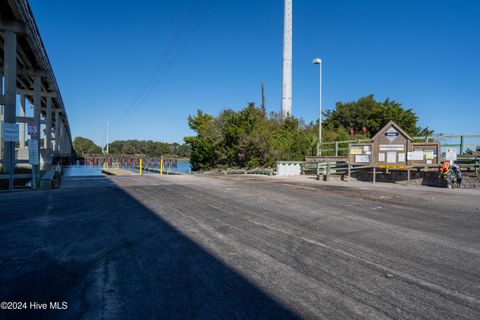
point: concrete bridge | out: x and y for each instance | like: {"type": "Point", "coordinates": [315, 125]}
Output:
{"type": "Point", "coordinates": [27, 78]}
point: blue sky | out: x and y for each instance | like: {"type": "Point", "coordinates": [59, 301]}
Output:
{"type": "Point", "coordinates": [146, 65]}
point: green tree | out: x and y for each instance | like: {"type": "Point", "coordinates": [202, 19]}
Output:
{"type": "Point", "coordinates": [203, 145]}
{"type": "Point", "coordinates": [247, 138]}
{"type": "Point", "coordinates": [373, 115]}
{"type": "Point", "coordinates": [84, 146]}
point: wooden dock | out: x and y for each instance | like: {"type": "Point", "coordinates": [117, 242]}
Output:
{"type": "Point", "coordinates": [118, 172]}
{"type": "Point", "coordinates": [165, 172]}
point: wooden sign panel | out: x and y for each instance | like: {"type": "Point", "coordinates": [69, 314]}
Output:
{"type": "Point", "coordinates": [391, 145]}
{"type": "Point", "coordinates": [425, 154]}
{"type": "Point", "coordinates": [360, 154]}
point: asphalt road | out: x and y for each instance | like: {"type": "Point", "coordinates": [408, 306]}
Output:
{"type": "Point", "coordinates": [192, 247]}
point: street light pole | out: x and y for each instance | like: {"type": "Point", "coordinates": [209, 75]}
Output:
{"type": "Point", "coordinates": [319, 148]}
{"type": "Point", "coordinates": [108, 128]}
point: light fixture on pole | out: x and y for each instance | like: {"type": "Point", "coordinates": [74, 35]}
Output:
{"type": "Point", "coordinates": [319, 150]}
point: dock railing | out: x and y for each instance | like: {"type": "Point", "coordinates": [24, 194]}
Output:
{"type": "Point", "coordinates": [345, 169]}
{"type": "Point", "coordinates": [463, 143]}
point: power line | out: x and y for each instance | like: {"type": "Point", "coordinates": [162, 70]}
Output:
{"type": "Point", "coordinates": [165, 58]}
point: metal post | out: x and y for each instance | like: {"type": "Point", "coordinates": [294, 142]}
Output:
{"type": "Point", "coordinates": [336, 148]}
{"type": "Point", "coordinates": [461, 144]}
{"type": "Point", "coordinates": [408, 175]}
{"type": "Point", "coordinates": [10, 70]}
{"type": "Point", "coordinates": [349, 171]}
{"type": "Point", "coordinates": [287, 60]}
{"type": "Point", "coordinates": [108, 128]}
{"type": "Point", "coordinates": [319, 146]}
{"type": "Point", "coordinates": [22, 124]}
{"type": "Point", "coordinates": [320, 114]}
{"type": "Point", "coordinates": [374, 175]}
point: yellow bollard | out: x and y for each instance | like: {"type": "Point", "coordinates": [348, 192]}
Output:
{"type": "Point", "coordinates": [161, 166]}
{"type": "Point", "coordinates": [141, 167]}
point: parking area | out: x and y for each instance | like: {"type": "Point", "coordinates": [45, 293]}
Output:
{"type": "Point", "coordinates": [229, 247]}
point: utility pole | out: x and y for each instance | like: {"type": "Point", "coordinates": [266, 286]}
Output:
{"type": "Point", "coordinates": [108, 127]}
{"type": "Point", "coordinates": [287, 60]}
{"type": "Point", "coordinates": [319, 145]}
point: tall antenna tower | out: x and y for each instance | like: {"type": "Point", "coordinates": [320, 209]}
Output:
{"type": "Point", "coordinates": [287, 61]}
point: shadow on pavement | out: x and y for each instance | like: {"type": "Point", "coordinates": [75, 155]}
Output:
{"type": "Point", "coordinates": [109, 257]}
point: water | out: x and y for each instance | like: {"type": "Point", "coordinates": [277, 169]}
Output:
{"type": "Point", "coordinates": [91, 171]}
{"type": "Point", "coordinates": [82, 171]}
{"type": "Point", "coordinates": [182, 167]}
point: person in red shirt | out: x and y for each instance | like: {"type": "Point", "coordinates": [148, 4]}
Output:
{"type": "Point", "coordinates": [447, 174]}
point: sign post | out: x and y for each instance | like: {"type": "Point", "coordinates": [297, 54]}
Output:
{"type": "Point", "coordinates": [10, 132]}
{"type": "Point", "coordinates": [33, 151]}
{"type": "Point", "coordinates": [32, 129]}
{"type": "Point", "coordinates": [10, 135]}
{"type": "Point", "coordinates": [451, 155]}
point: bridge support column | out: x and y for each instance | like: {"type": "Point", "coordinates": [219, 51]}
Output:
{"type": "Point", "coordinates": [67, 147]}
{"type": "Point", "coordinates": [62, 140]}
{"type": "Point", "coordinates": [10, 98]}
{"type": "Point", "coordinates": [37, 101]}
{"type": "Point", "coordinates": [56, 148]}
{"type": "Point", "coordinates": [1, 117]}
{"type": "Point", "coordinates": [22, 124]}
{"type": "Point", "coordinates": [48, 135]}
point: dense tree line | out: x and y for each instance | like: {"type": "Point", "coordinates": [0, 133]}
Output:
{"type": "Point", "coordinates": [149, 148]}
{"type": "Point", "coordinates": [84, 147]}
{"type": "Point", "coordinates": [250, 138]}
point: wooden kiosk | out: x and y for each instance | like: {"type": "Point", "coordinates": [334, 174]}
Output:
{"type": "Point", "coordinates": [393, 148]}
